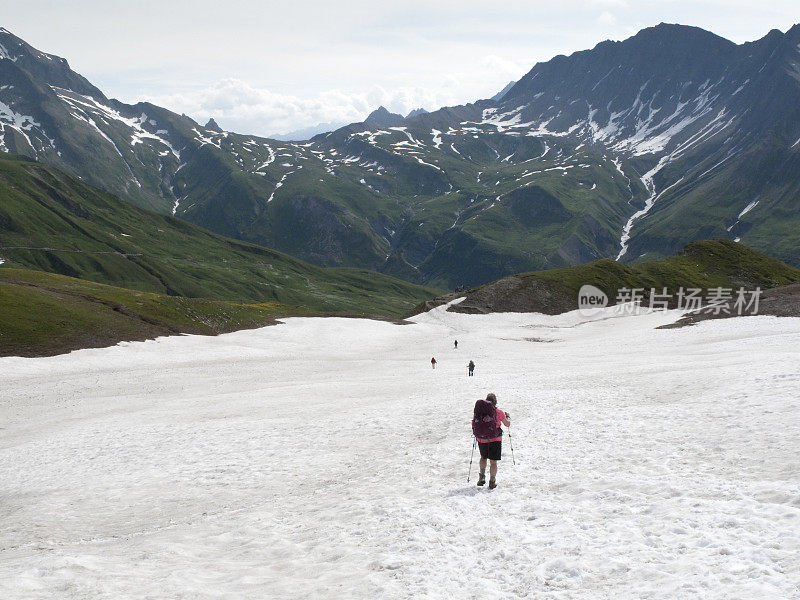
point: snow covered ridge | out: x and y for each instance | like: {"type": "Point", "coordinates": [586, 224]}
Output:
{"type": "Point", "coordinates": [83, 106]}
{"type": "Point", "coordinates": [659, 467]}
{"type": "Point", "coordinates": [639, 129]}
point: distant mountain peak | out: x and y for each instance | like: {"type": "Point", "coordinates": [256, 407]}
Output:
{"type": "Point", "coordinates": [415, 112]}
{"type": "Point", "coordinates": [499, 95]}
{"type": "Point", "coordinates": [212, 125]}
{"type": "Point", "coordinates": [381, 110]}
{"type": "Point", "coordinates": [675, 33]}
{"type": "Point", "coordinates": [306, 133]}
{"type": "Point", "coordinates": [381, 116]}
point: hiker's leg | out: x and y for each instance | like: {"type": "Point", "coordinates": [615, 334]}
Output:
{"type": "Point", "coordinates": [492, 469]}
{"type": "Point", "coordinates": [483, 465]}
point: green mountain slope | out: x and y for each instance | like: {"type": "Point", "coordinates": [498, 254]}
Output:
{"type": "Point", "coordinates": [702, 265]}
{"type": "Point", "coordinates": [42, 314]}
{"type": "Point", "coordinates": [52, 222]}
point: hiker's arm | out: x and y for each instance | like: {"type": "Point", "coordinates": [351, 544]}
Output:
{"type": "Point", "coordinates": [506, 421]}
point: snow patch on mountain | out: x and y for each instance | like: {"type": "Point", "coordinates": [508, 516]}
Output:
{"type": "Point", "coordinates": [741, 87]}
{"type": "Point", "coordinates": [82, 106]}
{"type": "Point", "coordinates": [640, 129]}
{"type": "Point", "coordinates": [647, 180]}
{"type": "Point", "coordinates": [207, 139]}
{"type": "Point", "coordinates": [270, 158]}
{"type": "Point", "coordinates": [280, 183]}
{"type": "Point", "coordinates": [618, 166]}
{"type": "Point", "coordinates": [437, 137]}
{"type": "Point", "coordinates": [731, 153]}
{"type": "Point", "coordinates": [422, 162]}
{"type": "Point", "coordinates": [6, 55]}
{"type": "Point", "coordinates": [744, 211]}
{"type": "Point", "coordinates": [748, 208]}
{"type": "Point", "coordinates": [23, 124]}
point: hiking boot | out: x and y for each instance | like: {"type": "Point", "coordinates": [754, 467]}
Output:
{"type": "Point", "coordinates": [492, 484]}
{"type": "Point", "coordinates": [482, 479]}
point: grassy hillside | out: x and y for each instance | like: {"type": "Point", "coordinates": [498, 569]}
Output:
{"type": "Point", "coordinates": [44, 314]}
{"type": "Point", "coordinates": [52, 222]}
{"type": "Point", "coordinates": [704, 265]}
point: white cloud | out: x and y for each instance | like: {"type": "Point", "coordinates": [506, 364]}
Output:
{"type": "Point", "coordinates": [238, 106]}
{"type": "Point", "coordinates": [509, 68]}
{"type": "Point", "coordinates": [607, 3]}
{"type": "Point", "coordinates": [607, 19]}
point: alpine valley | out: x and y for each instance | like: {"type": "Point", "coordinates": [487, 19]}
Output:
{"type": "Point", "coordinates": [629, 150]}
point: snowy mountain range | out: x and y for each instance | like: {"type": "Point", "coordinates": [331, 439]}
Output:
{"type": "Point", "coordinates": [629, 150]}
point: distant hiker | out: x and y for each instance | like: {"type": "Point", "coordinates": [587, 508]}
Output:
{"type": "Point", "coordinates": [486, 421]}
{"type": "Point", "coordinates": [471, 368]}
{"type": "Point", "coordinates": [455, 345]}
{"type": "Point", "coordinates": [433, 363]}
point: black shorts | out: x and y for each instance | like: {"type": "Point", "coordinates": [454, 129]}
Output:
{"type": "Point", "coordinates": [491, 450]}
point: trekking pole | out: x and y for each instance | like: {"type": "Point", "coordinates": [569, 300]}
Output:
{"type": "Point", "coordinates": [513, 460]}
{"type": "Point", "coordinates": [470, 460]}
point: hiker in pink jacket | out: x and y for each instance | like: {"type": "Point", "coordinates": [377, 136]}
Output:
{"type": "Point", "coordinates": [486, 421]}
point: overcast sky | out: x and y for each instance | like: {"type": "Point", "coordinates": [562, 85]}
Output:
{"type": "Point", "coordinates": [265, 66]}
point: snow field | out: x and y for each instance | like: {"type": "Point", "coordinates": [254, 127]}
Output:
{"type": "Point", "coordinates": [324, 458]}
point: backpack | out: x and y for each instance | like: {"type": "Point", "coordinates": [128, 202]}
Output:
{"type": "Point", "coordinates": [484, 421]}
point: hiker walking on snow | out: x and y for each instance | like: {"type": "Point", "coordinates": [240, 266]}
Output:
{"type": "Point", "coordinates": [455, 345]}
{"type": "Point", "coordinates": [470, 368]}
{"type": "Point", "coordinates": [486, 421]}
{"type": "Point", "coordinates": [433, 363]}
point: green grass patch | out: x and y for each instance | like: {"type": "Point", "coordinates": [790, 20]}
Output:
{"type": "Point", "coordinates": [45, 314]}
